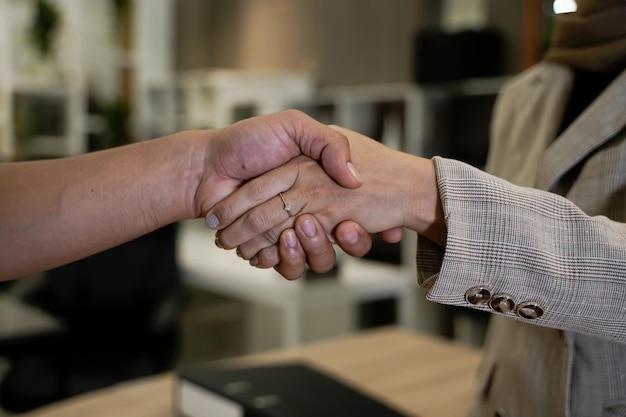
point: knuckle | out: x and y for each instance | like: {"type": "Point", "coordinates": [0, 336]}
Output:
{"type": "Point", "coordinates": [259, 190]}
{"type": "Point", "coordinates": [271, 236]}
{"type": "Point", "coordinates": [225, 212]}
{"type": "Point", "coordinates": [256, 222]}
{"type": "Point", "coordinates": [294, 113]}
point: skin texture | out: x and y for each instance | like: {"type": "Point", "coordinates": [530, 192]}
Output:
{"type": "Point", "coordinates": [56, 211]}
{"type": "Point", "coordinates": [399, 190]}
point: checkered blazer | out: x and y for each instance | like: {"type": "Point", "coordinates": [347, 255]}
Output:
{"type": "Point", "coordinates": [551, 265]}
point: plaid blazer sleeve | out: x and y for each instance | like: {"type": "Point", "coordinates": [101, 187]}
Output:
{"type": "Point", "coordinates": [526, 248]}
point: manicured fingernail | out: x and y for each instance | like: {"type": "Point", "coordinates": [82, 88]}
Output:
{"type": "Point", "coordinates": [218, 243]}
{"type": "Point", "coordinates": [239, 253]}
{"type": "Point", "coordinates": [353, 170]}
{"type": "Point", "coordinates": [350, 235]}
{"type": "Point", "coordinates": [290, 239]}
{"type": "Point", "coordinates": [308, 227]}
{"type": "Point", "coordinates": [254, 261]}
{"type": "Point", "coordinates": [212, 222]}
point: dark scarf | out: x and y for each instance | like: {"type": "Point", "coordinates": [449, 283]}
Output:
{"type": "Point", "coordinates": [591, 39]}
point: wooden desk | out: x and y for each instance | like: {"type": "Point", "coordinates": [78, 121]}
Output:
{"type": "Point", "coordinates": [417, 374]}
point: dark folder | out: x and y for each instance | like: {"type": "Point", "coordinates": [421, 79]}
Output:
{"type": "Point", "coordinates": [286, 390]}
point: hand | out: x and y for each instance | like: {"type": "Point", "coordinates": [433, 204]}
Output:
{"type": "Point", "coordinates": [398, 190]}
{"type": "Point", "coordinates": [253, 146]}
{"type": "Point", "coordinates": [307, 243]}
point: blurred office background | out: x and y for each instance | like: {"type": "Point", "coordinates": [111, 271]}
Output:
{"type": "Point", "coordinates": [78, 76]}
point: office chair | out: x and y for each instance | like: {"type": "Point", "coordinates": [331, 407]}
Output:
{"type": "Point", "coordinates": [120, 309]}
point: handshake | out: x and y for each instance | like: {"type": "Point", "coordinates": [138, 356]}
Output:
{"type": "Point", "coordinates": [279, 188]}
{"type": "Point", "coordinates": [285, 188]}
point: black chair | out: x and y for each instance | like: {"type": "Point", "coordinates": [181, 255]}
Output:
{"type": "Point", "coordinates": [120, 310]}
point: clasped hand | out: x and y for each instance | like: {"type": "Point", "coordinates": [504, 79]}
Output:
{"type": "Point", "coordinates": [398, 190]}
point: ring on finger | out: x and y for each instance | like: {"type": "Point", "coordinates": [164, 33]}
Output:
{"type": "Point", "coordinates": [286, 205]}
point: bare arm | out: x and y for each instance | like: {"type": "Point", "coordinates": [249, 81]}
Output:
{"type": "Point", "coordinates": [53, 212]}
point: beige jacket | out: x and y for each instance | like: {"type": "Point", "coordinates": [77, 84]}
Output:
{"type": "Point", "coordinates": [551, 269]}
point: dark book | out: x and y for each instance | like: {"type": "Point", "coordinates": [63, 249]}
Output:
{"type": "Point", "coordinates": [285, 390]}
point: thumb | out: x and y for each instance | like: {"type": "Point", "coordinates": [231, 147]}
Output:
{"type": "Point", "coordinates": [325, 144]}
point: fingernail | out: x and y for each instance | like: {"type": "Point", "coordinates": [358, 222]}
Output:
{"type": "Point", "coordinates": [290, 239]}
{"type": "Point", "coordinates": [350, 235]}
{"type": "Point", "coordinates": [218, 243]}
{"type": "Point", "coordinates": [212, 222]}
{"type": "Point", "coordinates": [254, 261]}
{"type": "Point", "coordinates": [308, 228]}
{"type": "Point", "coordinates": [352, 169]}
{"type": "Point", "coordinates": [239, 253]}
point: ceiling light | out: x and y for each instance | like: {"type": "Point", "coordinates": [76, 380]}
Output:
{"type": "Point", "coordinates": [564, 6]}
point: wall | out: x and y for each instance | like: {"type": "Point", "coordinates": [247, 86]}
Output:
{"type": "Point", "coordinates": [508, 16]}
{"type": "Point", "coordinates": [342, 42]}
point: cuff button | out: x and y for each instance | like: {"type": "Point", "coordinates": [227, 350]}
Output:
{"type": "Point", "coordinates": [530, 311]}
{"type": "Point", "coordinates": [478, 295]}
{"type": "Point", "coordinates": [502, 304]}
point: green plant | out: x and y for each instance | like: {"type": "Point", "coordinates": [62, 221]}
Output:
{"type": "Point", "coordinates": [44, 27]}
{"type": "Point", "coordinates": [121, 16]}
{"type": "Point", "coordinates": [120, 9]}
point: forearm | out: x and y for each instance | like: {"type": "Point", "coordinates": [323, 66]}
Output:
{"type": "Point", "coordinates": [65, 209]}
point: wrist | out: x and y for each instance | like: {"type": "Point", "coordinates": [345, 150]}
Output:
{"type": "Point", "coordinates": [424, 212]}
{"type": "Point", "coordinates": [185, 161]}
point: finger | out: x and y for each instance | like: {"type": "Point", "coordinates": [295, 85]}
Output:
{"type": "Point", "coordinates": [266, 258]}
{"type": "Point", "coordinates": [260, 227]}
{"type": "Point", "coordinates": [352, 238]}
{"type": "Point", "coordinates": [320, 254]}
{"type": "Point", "coordinates": [252, 194]}
{"type": "Point", "coordinates": [325, 144]}
{"type": "Point", "coordinates": [292, 257]}
{"type": "Point", "coordinates": [311, 234]}
{"type": "Point", "coordinates": [391, 235]}
{"type": "Point", "coordinates": [261, 241]}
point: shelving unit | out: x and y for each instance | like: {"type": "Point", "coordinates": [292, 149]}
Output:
{"type": "Point", "coordinates": [213, 98]}
{"type": "Point", "coordinates": [154, 102]}
{"type": "Point", "coordinates": [42, 99]}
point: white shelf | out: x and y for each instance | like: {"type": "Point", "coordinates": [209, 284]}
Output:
{"type": "Point", "coordinates": [210, 98]}
{"type": "Point", "coordinates": [23, 72]}
{"type": "Point", "coordinates": [207, 267]}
